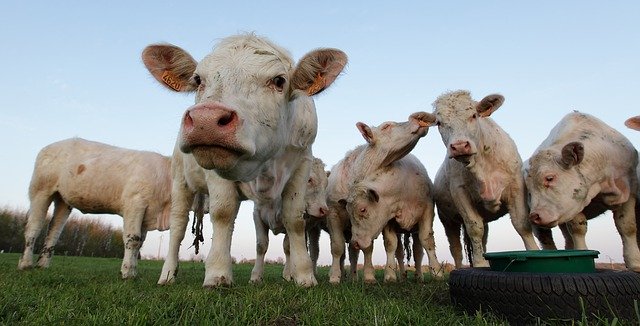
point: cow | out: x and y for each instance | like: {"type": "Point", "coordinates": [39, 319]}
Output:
{"type": "Point", "coordinates": [394, 199]}
{"type": "Point", "coordinates": [266, 217]}
{"type": "Point", "coordinates": [634, 123]}
{"type": "Point", "coordinates": [480, 179]}
{"type": "Point", "coordinates": [247, 137]}
{"type": "Point", "coordinates": [581, 169]}
{"type": "Point", "coordinates": [384, 144]}
{"type": "Point", "coordinates": [100, 179]}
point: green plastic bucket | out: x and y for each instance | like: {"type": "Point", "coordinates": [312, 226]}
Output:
{"type": "Point", "coordinates": [543, 261]}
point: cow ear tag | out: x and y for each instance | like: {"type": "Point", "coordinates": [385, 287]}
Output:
{"type": "Point", "coordinates": [170, 80]}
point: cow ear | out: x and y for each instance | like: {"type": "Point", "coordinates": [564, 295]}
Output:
{"type": "Point", "coordinates": [171, 66]}
{"type": "Point", "coordinates": [366, 132]}
{"type": "Point", "coordinates": [572, 154]}
{"type": "Point", "coordinates": [489, 104]}
{"type": "Point", "coordinates": [318, 69]}
{"type": "Point", "coordinates": [633, 123]}
{"type": "Point", "coordinates": [373, 195]}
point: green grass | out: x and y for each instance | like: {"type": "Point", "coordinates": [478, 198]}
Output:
{"type": "Point", "coordinates": [82, 290]}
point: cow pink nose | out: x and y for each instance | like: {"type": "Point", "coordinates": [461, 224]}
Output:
{"type": "Point", "coordinates": [355, 245]}
{"type": "Point", "coordinates": [209, 124]}
{"type": "Point", "coordinates": [460, 147]}
{"type": "Point", "coordinates": [535, 218]}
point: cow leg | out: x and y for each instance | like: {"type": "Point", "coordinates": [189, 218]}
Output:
{"type": "Point", "coordinates": [354, 255]}
{"type": "Point", "coordinates": [474, 226]}
{"type": "Point", "coordinates": [390, 239]}
{"type": "Point", "coordinates": [262, 244]}
{"type": "Point", "coordinates": [286, 247]}
{"type": "Point", "coordinates": [418, 254]}
{"type": "Point", "coordinates": [368, 270]}
{"type": "Point", "coordinates": [293, 207]}
{"type": "Point", "coordinates": [545, 237]}
{"type": "Point", "coordinates": [452, 231]}
{"type": "Point", "coordinates": [400, 257]}
{"type": "Point", "coordinates": [132, 238]}
{"type": "Point", "coordinates": [425, 233]}
{"type": "Point", "coordinates": [225, 204]}
{"type": "Point", "coordinates": [60, 215]}
{"type": "Point", "coordinates": [566, 234]}
{"type": "Point", "coordinates": [625, 220]}
{"type": "Point", "coordinates": [578, 229]}
{"type": "Point", "coordinates": [35, 221]}
{"type": "Point", "coordinates": [336, 237]}
{"type": "Point", "coordinates": [313, 238]}
{"type": "Point", "coordinates": [181, 201]}
{"type": "Point", "coordinates": [520, 216]}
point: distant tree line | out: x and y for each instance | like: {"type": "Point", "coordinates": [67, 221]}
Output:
{"type": "Point", "coordinates": [81, 236]}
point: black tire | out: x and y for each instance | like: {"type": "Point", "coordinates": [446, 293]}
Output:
{"type": "Point", "coordinates": [521, 297]}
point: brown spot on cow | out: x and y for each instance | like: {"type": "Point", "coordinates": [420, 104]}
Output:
{"type": "Point", "coordinates": [81, 168]}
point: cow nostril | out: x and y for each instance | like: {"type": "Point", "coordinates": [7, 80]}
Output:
{"type": "Point", "coordinates": [535, 217]}
{"type": "Point", "coordinates": [323, 212]}
{"type": "Point", "coordinates": [188, 120]}
{"type": "Point", "coordinates": [227, 119]}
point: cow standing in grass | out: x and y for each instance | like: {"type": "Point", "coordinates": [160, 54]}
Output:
{"type": "Point", "coordinates": [385, 144]}
{"type": "Point", "coordinates": [100, 179]}
{"type": "Point", "coordinates": [481, 178]}
{"type": "Point", "coordinates": [395, 199]}
{"type": "Point", "coordinates": [583, 168]}
{"type": "Point", "coordinates": [252, 127]}
{"type": "Point", "coordinates": [267, 217]}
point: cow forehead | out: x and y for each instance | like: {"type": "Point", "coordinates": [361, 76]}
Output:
{"type": "Point", "coordinates": [248, 53]}
{"type": "Point", "coordinates": [454, 105]}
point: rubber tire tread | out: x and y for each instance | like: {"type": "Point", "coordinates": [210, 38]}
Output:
{"type": "Point", "coordinates": [521, 297]}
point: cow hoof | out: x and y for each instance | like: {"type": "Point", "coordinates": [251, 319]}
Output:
{"type": "Point", "coordinates": [307, 282]}
{"type": "Point", "coordinates": [370, 280]}
{"type": "Point", "coordinates": [334, 280]}
{"type": "Point", "coordinates": [219, 281]}
{"type": "Point", "coordinates": [255, 280]}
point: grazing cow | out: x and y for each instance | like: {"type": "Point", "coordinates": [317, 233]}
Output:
{"type": "Point", "coordinates": [385, 144]}
{"type": "Point", "coordinates": [266, 217]}
{"type": "Point", "coordinates": [396, 198]}
{"type": "Point", "coordinates": [248, 136]}
{"type": "Point", "coordinates": [100, 179]}
{"type": "Point", "coordinates": [581, 169]}
{"type": "Point", "coordinates": [481, 178]}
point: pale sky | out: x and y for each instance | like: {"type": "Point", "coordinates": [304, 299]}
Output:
{"type": "Point", "coordinates": [73, 68]}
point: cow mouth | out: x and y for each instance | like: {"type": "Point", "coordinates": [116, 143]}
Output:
{"type": "Point", "coordinates": [464, 158]}
{"type": "Point", "coordinates": [216, 157]}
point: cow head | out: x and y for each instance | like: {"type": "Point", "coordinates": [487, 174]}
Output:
{"type": "Point", "coordinates": [367, 214]}
{"type": "Point", "coordinates": [316, 194]}
{"type": "Point", "coordinates": [557, 189]}
{"type": "Point", "coordinates": [397, 139]}
{"type": "Point", "coordinates": [246, 90]}
{"type": "Point", "coordinates": [458, 119]}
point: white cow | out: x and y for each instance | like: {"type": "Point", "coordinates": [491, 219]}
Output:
{"type": "Point", "coordinates": [582, 168]}
{"type": "Point", "coordinates": [634, 123]}
{"type": "Point", "coordinates": [267, 217]}
{"type": "Point", "coordinates": [248, 136]}
{"type": "Point", "coordinates": [101, 179]}
{"type": "Point", "coordinates": [481, 178]}
{"type": "Point", "coordinates": [385, 144]}
{"type": "Point", "coordinates": [396, 198]}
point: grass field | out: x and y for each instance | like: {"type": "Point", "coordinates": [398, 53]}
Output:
{"type": "Point", "coordinates": [81, 290]}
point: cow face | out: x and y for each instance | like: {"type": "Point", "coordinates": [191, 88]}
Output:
{"type": "Point", "coordinates": [245, 92]}
{"type": "Point", "coordinates": [397, 139]}
{"type": "Point", "coordinates": [557, 189]}
{"type": "Point", "coordinates": [367, 213]}
{"type": "Point", "coordinates": [458, 120]}
{"type": "Point", "coordinates": [316, 194]}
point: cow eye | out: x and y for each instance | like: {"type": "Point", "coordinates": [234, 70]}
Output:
{"type": "Point", "coordinates": [548, 180]}
{"type": "Point", "coordinates": [278, 83]}
{"type": "Point", "coordinates": [197, 80]}
{"type": "Point", "coordinates": [475, 115]}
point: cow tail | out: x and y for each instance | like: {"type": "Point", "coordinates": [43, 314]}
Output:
{"type": "Point", "coordinates": [407, 246]}
{"type": "Point", "coordinates": [196, 226]}
{"type": "Point", "coordinates": [468, 248]}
